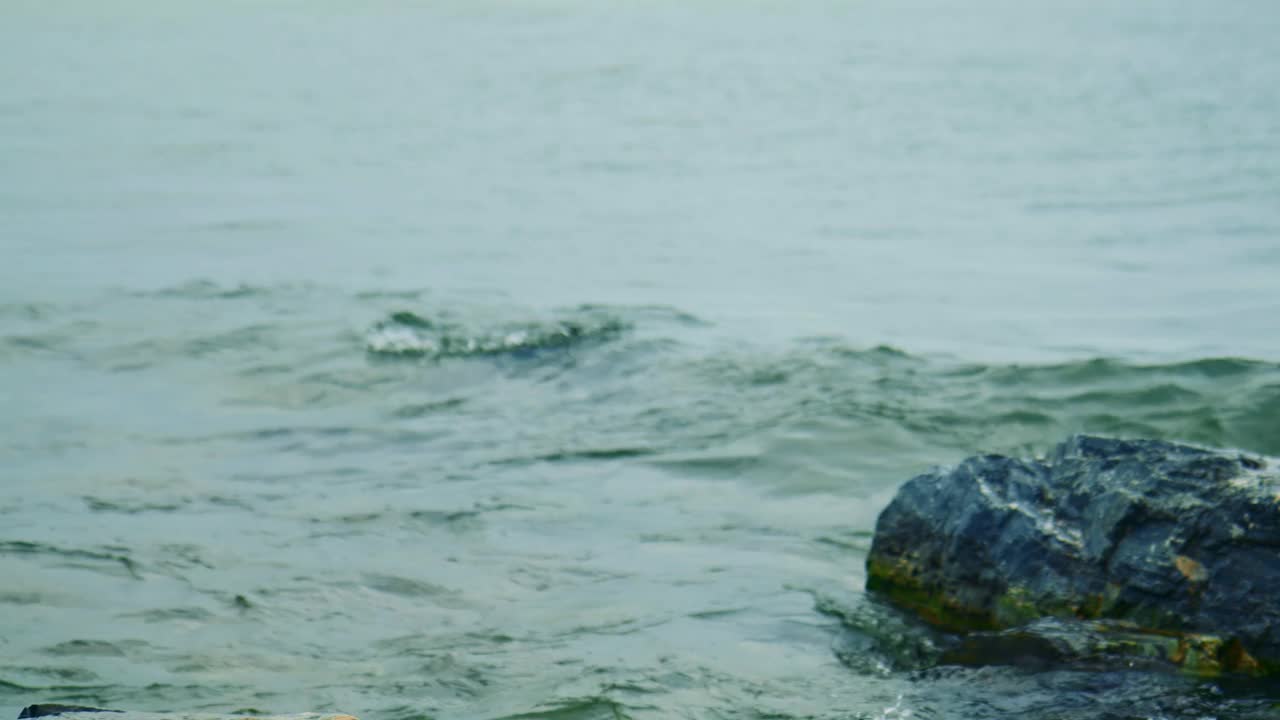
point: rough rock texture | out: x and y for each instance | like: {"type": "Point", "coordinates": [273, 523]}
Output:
{"type": "Point", "coordinates": [79, 712]}
{"type": "Point", "coordinates": [1176, 544]}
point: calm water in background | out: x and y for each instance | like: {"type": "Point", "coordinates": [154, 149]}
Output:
{"type": "Point", "coordinates": [553, 359]}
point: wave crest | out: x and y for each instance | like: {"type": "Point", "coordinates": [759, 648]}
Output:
{"type": "Point", "coordinates": [411, 335]}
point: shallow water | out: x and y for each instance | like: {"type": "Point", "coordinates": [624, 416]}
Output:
{"type": "Point", "coordinates": [554, 359]}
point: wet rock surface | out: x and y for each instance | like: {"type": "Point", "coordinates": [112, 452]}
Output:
{"type": "Point", "coordinates": [1150, 551]}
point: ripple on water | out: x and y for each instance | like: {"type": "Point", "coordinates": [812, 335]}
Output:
{"type": "Point", "coordinates": [110, 561]}
{"type": "Point", "coordinates": [175, 614]}
{"type": "Point", "coordinates": [505, 517]}
{"type": "Point", "coordinates": [97, 648]}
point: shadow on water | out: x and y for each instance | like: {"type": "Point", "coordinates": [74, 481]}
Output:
{"type": "Point", "coordinates": [995, 693]}
{"type": "Point", "coordinates": [878, 639]}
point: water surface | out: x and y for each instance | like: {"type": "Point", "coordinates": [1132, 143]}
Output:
{"type": "Point", "coordinates": [554, 359]}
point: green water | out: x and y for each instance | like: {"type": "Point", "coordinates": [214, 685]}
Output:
{"type": "Point", "coordinates": [554, 359]}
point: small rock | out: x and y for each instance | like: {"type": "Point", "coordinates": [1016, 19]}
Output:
{"type": "Point", "coordinates": [50, 709]}
{"type": "Point", "coordinates": [79, 712]}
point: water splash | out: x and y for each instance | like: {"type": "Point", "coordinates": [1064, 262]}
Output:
{"type": "Point", "coordinates": [896, 711]}
{"type": "Point", "coordinates": [410, 335]}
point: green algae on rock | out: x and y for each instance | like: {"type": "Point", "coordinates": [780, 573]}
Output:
{"type": "Point", "coordinates": [1148, 550]}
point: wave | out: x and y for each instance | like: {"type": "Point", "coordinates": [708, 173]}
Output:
{"type": "Point", "coordinates": [405, 334]}
{"type": "Point", "coordinates": [1219, 401]}
{"type": "Point", "coordinates": [822, 412]}
{"type": "Point", "coordinates": [210, 290]}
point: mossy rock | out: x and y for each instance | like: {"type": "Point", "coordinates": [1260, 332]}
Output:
{"type": "Point", "coordinates": [1171, 551]}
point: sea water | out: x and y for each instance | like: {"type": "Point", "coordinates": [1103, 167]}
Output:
{"type": "Point", "coordinates": [553, 359]}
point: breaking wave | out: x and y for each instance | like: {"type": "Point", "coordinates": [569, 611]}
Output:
{"type": "Point", "coordinates": [410, 335]}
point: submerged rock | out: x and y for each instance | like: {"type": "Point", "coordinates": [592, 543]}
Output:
{"type": "Point", "coordinates": [53, 709]}
{"type": "Point", "coordinates": [80, 712]}
{"type": "Point", "coordinates": [1162, 552]}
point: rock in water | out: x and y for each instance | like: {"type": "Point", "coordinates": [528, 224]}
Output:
{"type": "Point", "coordinates": [79, 712]}
{"type": "Point", "coordinates": [1137, 539]}
{"type": "Point", "coordinates": [52, 709]}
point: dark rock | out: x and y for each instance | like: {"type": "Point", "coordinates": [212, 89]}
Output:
{"type": "Point", "coordinates": [80, 712]}
{"type": "Point", "coordinates": [51, 709]}
{"type": "Point", "coordinates": [1179, 544]}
